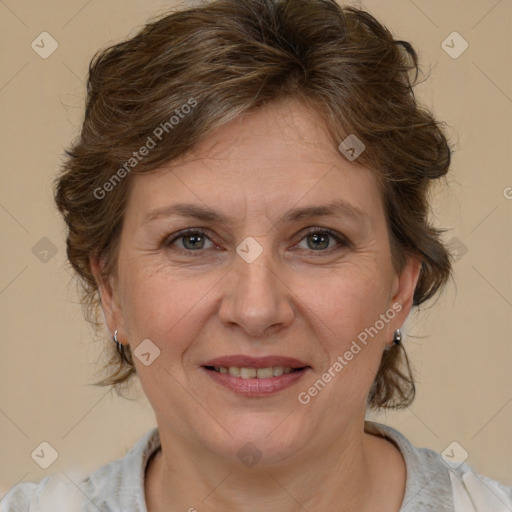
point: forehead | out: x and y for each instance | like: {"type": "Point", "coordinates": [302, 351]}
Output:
{"type": "Point", "coordinates": [270, 159]}
{"type": "Point", "coordinates": [284, 131]}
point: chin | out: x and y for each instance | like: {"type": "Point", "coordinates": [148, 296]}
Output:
{"type": "Point", "coordinates": [263, 441]}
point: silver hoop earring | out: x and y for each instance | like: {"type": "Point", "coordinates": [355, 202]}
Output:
{"type": "Point", "coordinates": [397, 337]}
{"type": "Point", "coordinates": [120, 346]}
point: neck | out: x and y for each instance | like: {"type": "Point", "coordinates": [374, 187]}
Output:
{"type": "Point", "coordinates": [341, 476]}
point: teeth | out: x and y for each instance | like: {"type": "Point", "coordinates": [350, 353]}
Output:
{"type": "Point", "coordinates": [278, 370]}
{"type": "Point", "coordinates": [251, 373]}
{"type": "Point", "coordinates": [234, 370]}
{"type": "Point", "coordinates": [265, 373]}
{"type": "Point", "coordinates": [248, 373]}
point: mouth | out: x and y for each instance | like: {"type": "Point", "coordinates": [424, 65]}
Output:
{"type": "Point", "coordinates": [255, 376]}
{"type": "Point", "coordinates": [254, 373]}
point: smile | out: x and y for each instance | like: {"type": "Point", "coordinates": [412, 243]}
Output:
{"type": "Point", "coordinates": [254, 382]}
{"type": "Point", "coordinates": [249, 373]}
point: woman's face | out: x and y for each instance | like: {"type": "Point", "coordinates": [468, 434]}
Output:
{"type": "Point", "coordinates": [258, 285]}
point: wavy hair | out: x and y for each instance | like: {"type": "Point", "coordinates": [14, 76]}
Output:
{"type": "Point", "coordinates": [233, 56]}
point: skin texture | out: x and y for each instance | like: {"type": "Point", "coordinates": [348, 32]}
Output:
{"type": "Point", "coordinates": [294, 300]}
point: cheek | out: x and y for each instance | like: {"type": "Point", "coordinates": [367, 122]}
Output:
{"type": "Point", "coordinates": [161, 305]}
{"type": "Point", "coordinates": [347, 313]}
{"type": "Point", "coordinates": [346, 301]}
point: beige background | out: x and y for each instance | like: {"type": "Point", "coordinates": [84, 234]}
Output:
{"type": "Point", "coordinates": [462, 353]}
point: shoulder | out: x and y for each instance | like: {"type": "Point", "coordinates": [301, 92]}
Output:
{"type": "Point", "coordinates": [436, 483]}
{"type": "Point", "coordinates": [19, 497]}
{"type": "Point", "coordinates": [473, 492]}
{"type": "Point", "coordinates": [53, 492]}
{"type": "Point", "coordinates": [118, 485]}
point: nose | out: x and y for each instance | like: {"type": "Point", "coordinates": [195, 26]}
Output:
{"type": "Point", "coordinates": [257, 299]}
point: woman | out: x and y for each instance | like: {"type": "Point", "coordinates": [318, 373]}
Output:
{"type": "Point", "coordinates": [247, 202]}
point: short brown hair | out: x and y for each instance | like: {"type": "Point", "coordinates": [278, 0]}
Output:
{"type": "Point", "coordinates": [232, 56]}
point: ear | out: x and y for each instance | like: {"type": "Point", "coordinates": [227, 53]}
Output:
{"type": "Point", "coordinates": [109, 298]}
{"type": "Point", "coordinates": [403, 289]}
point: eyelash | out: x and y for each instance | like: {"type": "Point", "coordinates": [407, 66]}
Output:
{"type": "Point", "coordinates": [342, 241]}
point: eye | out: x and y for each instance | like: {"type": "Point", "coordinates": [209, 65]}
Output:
{"type": "Point", "coordinates": [192, 241]}
{"type": "Point", "coordinates": [318, 239]}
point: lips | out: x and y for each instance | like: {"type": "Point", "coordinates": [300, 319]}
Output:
{"type": "Point", "coordinates": [255, 376]}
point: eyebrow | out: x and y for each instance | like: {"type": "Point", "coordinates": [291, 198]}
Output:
{"type": "Point", "coordinates": [205, 214]}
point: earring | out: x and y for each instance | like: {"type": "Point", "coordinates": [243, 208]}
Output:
{"type": "Point", "coordinates": [120, 346]}
{"type": "Point", "coordinates": [397, 337]}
